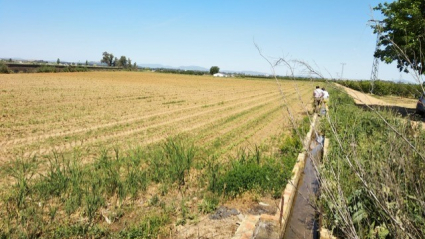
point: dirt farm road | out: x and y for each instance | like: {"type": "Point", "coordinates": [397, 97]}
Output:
{"type": "Point", "coordinates": [363, 99]}
{"type": "Point", "coordinates": [403, 107]}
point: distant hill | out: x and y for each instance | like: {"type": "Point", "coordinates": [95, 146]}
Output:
{"type": "Point", "coordinates": [253, 73]}
{"type": "Point", "coordinates": [186, 68]}
{"type": "Point", "coordinates": [154, 66]}
{"type": "Point", "coordinates": [193, 68]}
{"type": "Point", "coordinates": [200, 68]}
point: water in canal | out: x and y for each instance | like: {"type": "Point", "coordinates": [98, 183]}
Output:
{"type": "Point", "coordinates": [303, 222]}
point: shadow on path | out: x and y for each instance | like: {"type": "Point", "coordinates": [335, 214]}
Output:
{"type": "Point", "coordinates": [403, 111]}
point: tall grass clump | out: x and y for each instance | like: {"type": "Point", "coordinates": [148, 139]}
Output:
{"type": "Point", "coordinates": [251, 170]}
{"type": "Point", "coordinates": [372, 178]}
{"type": "Point", "coordinates": [60, 197]}
{"type": "Point", "coordinates": [173, 161]}
{"type": "Point", "coordinates": [42, 200]}
{"type": "Point", "coordinates": [63, 198]}
{"type": "Point", "coordinates": [22, 217]}
{"type": "Point", "coordinates": [151, 227]}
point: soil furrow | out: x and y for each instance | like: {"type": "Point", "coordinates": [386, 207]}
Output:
{"type": "Point", "coordinates": [66, 146]}
{"type": "Point", "coordinates": [29, 140]}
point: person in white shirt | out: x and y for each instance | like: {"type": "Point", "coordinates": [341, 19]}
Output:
{"type": "Point", "coordinates": [317, 94]}
{"type": "Point", "coordinates": [325, 98]}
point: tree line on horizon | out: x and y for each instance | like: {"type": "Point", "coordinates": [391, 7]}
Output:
{"type": "Point", "coordinates": [111, 60]}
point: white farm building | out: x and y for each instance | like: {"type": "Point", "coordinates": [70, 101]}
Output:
{"type": "Point", "coordinates": [219, 75]}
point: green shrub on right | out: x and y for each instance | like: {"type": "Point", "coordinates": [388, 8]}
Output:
{"type": "Point", "coordinates": [372, 173]}
{"type": "Point", "coordinates": [383, 88]}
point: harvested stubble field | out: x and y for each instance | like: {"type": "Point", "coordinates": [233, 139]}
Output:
{"type": "Point", "coordinates": [84, 114]}
{"type": "Point", "coordinates": [41, 113]}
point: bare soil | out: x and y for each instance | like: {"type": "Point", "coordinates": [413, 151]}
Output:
{"type": "Point", "coordinates": [362, 98]}
{"type": "Point", "coordinates": [42, 113]}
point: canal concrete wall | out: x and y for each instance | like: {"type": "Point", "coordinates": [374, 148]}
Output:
{"type": "Point", "coordinates": [273, 226]}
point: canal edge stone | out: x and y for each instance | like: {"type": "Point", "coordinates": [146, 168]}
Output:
{"type": "Point", "coordinates": [245, 229]}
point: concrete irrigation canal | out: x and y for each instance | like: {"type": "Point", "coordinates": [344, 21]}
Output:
{"type": "Point", "coordinates": [303, 221]}
{"type": "Point", "coordinates": [296, 216]}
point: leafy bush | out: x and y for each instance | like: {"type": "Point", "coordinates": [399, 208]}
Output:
{"type": "Point", "coordinates": [46, 69]}
{"type": "Point", "coordinates": [385, 88]}
{"type": "Point", "coordinates": [291, 146]}
{"type": "Point", "coordinates": [4, 69]}
{"type": "Point", "coordinates": [74, 69]}
{"type": "Point", "coordinates": [178, 71]}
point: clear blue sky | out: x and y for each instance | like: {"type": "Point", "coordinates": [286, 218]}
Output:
{"type": "Point", "coordinates": [202, 33]}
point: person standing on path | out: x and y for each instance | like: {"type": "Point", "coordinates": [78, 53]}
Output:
{"type": "Point", "coordinates": [317, 94]}
{"type": "Point", "coordinates": [325, 98]}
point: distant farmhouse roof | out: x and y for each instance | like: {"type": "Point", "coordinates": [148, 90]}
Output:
{"type": "Point", "coordinates": [220, 75]}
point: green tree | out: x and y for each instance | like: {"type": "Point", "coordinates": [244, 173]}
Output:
{"type": "Point", "coordinates": [3, 68]}
{"type": "Point", "coordinates": [108, 58]}
{"type": "Point", "coordinates": [402, 34]}
{"type": "Point", "coordinates": [87, 63]}
{"type": "Point", "coordinates": [122, 61]}
{"type": "Point", "coordinates": [214, 69]}
{"type": "Point", "coordinates": [128, 63]}
{"type": "Point", "coordinates": [58, 61]}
